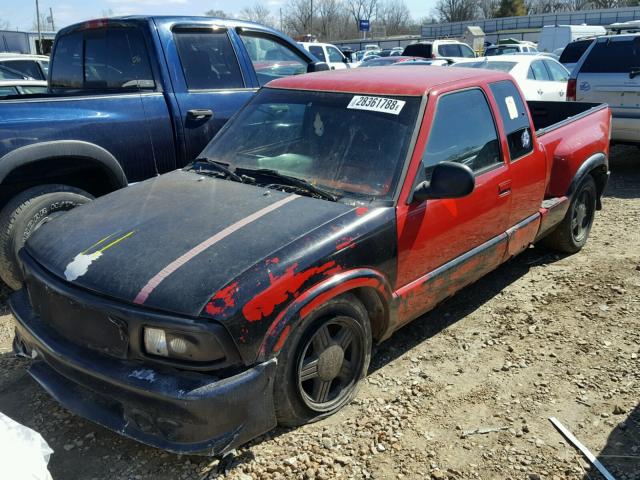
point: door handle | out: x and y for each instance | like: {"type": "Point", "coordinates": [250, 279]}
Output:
{"type": "Point", "coordinates": [199, 113]}
{"type": "Point", "coordinates": [504, 188]}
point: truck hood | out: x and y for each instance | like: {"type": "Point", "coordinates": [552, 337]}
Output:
{"type": "Point", "coordinates": [171, 242]}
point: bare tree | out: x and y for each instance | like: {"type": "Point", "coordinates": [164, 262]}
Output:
{"type": "Point", "coordinates": [457, 10]}
{"type": "Point", "coordinates": [362, 9]}
{"type": "Point", "coordinates": [395, 16]}
{"type": "Point", "coordinates": [216, 14]}
{"type": "Point", "coordinates": [258, 13]}
{"type": "Point", "coordinates": [488, 8]}
{"type": "Point", "coordinates": [4, 24]}
{"type": "Point", "coordinates": [328, 18]}
{"type": "Point", "coordinates": [297, 17]}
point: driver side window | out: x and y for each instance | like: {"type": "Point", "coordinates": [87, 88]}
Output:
{"type": "Point", "coordinates": [270, 58]}
{"type": "Point", "coordinates": [469, 138]}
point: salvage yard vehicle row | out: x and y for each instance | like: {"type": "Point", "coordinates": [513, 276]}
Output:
{"type": "Point", "coordinates": [199, 309]}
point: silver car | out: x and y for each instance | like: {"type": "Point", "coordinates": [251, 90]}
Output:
{"type": "Point", "coordinates": [609, 72]}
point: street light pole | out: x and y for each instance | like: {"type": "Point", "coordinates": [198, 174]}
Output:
{"type": "Point", "coordinates": [311, 20]}
{"type": "Point", "coordinates": [39, 49]}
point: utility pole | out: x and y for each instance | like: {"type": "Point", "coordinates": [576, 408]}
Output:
{"type": "Point", "coordinates": [281, 20]}
{"type": "Point", "coordinates": [39, 49]}
{"type": "Point", "coordinates": [311, 20]}
{"type": "Point", "coordinates": [53, 26]}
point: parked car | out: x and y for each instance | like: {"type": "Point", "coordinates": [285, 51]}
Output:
{"type": "Point", "coordinates": [439, 48]}
{"type": "Point", "coordinates": [130, 98]}
{"type": "Point", "coordinates": [559, 36]}
{"type": "Point", "coordinates": [540, 77]}
{"type": "Point", "coordinates": [573, 52]}
{"type": "Point", "coordinates": [438, 62]}
{"type": "Point", "coordinates": [10, 88]}
{"type": "Point", "coordinates": [32, 66]}
{"type": "Point", "coordinates": [509, 49]}
{"type": "Point", "coordinates": [390, 60]}
{"type": "Point", "coordinates": [609, 71]}
{"type": "Point", "coordinates": [325, 52]}
{"type": "Point", "coordinates": [197, 310]}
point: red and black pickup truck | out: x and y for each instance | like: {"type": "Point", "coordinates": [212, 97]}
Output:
{"type": "Point", "coordinates": [197, 310]}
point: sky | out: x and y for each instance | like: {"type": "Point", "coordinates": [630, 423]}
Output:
{"type": "Point", "coordinates": [21, 13]}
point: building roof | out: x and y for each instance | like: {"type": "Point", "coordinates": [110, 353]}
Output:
{"type": "Point", "coordinates": [391, 80]}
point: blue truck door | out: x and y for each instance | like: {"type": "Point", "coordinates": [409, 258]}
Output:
{"type": "Point", "coordinates": [210, 82]}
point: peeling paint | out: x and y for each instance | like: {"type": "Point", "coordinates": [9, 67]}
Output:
{"type": "Point", "coordinates": [81, 262]}
{"type": "Point", "coordinates": [361, 211]}
{"type": "Point", "coordinates": [222, 300]}
{"type": "Point", "coordinates": [282, 288]}
{"type": "Point", "coordinates": [283, 337]}
{"type": "Point", "coordinates": [347, 242]}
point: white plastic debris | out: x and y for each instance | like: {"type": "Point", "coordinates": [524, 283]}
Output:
{"type": "Point", "coordinates": [24, 454]}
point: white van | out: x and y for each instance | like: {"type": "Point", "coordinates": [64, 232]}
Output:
{"type": "Point", "coordinates": [553, 37]}
{"type": "Point", "coordinates": [325, 52]}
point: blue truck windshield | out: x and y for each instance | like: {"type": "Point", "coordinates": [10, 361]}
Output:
{"type": "Point", "coordinates": [345, 143]}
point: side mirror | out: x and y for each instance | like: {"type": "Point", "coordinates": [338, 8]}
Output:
{"type": "Point", "coordinates": [448, 180]}
{"type": "Point", "coordinates": [345, 60]}
{"type": "Point", "coordinates": [317, 67]}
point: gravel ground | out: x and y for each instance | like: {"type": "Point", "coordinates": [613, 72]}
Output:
{"type": "Point", "coordinates": [542, 336]}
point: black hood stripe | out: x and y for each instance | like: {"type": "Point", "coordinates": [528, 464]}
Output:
{"type": "Point", "coordinates": [151, 285]}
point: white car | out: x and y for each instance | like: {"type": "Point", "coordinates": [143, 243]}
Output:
{"type": "Point", "coordinates": [32, 66]}
{"type": "Point", "coordinates": [21, 87]}
{"type": "Point", "coordinates": [540, 77]}
{"type": "Point", "coordinates": [325, 52]}
{"type": "Point", "coordinates": [439, 49]}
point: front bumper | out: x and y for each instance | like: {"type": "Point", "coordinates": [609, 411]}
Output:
{"type": "Point", "coordinates": [182, 412]}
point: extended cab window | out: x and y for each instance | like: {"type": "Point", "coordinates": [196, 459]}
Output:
{"type": "Point", "coordinates": [463, 131]}
{"type": "Point", "coordinates": [449, 50]}
{"type": "Point", "coordinates": [514, 118]}
{"type": "Point", "coordinates": [272, 59]}
{"type": "Point", "coordinates": [208, 60]}
{"type": "Point", "coordinates": [111, 58]}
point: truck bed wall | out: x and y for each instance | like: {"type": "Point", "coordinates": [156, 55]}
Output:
{"type": "Point", "coordinates": [571, 139]}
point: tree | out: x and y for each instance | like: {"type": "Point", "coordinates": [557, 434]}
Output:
{"type": "Point", "coordinates": [489, 8]}
{"type": "Point", "coordinates": [328, 13]}
{"type": "Point", "coordinates": [4, 24]}
{"type": "Point", "coordinates": [395, 16]}
{"type": "Point", "coordinates": [258, 13]}
{"type": "Point", "coordinates": [217, 14]}
{"type": "Point", "coordinates": [297, 17]}
{"type": "Point", "coordinates": [511, 8]}
{"type": "Point", "coordinates": [457, 10]}
{"type": "Point", "coordinates": [362, 9]}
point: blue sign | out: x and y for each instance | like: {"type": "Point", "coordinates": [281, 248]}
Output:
{"type": "Point", "coordinates": [364, 26]}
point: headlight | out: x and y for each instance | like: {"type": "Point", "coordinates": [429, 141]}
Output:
{"type": "Point", "coordinates": [200, 347]}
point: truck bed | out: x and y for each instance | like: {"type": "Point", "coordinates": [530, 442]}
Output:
{"type": "Point", "coordinates": [548, 116]}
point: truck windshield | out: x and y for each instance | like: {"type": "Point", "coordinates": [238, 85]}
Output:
{"type": "Point", "coordinates": [345, 143]}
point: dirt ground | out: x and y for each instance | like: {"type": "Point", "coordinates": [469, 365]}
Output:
{"type": "Point", "coordinates": [542, 336]}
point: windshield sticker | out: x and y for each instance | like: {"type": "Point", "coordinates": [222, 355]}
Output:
{"type": "Point", "coordinates": [376, 104]}
{"type": "Point", "coordinates": [318, 125]}
{"type": "Point", "coordinates": [511, 107]}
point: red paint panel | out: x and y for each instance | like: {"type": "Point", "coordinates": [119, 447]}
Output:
{"type": "Point", "coordinates": [282, 288]}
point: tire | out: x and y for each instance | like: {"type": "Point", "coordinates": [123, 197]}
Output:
{"type": "Point", "coordinates": [24, 214]}
{"type": "Point", "coordinates": [303, 392]}
{"type": "Point", "coordinates": [572, 232]}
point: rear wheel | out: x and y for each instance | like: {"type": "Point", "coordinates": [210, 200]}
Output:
{"type": "Point", "coordinates": [24, 214]}
{"type": "Point", "coordinates": [572, 233]}
{"type": "Point", "coordinates": [322, 363]}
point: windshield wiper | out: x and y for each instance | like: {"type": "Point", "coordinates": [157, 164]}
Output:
{"type": "Point", "coordinates": [293, 181]}
{"type": "Point", "coordinates": [221, 167]}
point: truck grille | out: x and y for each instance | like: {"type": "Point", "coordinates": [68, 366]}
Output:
{"type": "Point", "coordinates": [78, 324]}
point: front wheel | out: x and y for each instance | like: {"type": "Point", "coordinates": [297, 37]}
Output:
{"type": "Point", "coordinates": [572, 232]}
{"type": "Point", "coordinates": [24, 214]}
{"type": "Point", "coordinates": [323, 361]}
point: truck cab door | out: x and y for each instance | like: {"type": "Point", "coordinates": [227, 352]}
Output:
{"type": "Point", "coordinates": [444, 244]}
{"type": "Point", "coordinates": [210, 83]}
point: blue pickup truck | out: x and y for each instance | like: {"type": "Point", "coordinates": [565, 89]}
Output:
{"type": "Point", "coordinates": [129, 98]}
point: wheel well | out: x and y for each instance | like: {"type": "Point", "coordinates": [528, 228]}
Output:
{"type": "Point", "coordinates": [376, 307]}
{"type": "Point", "coordinates": [84, 173]}
{"type": "Point", "coordinates": [599, 175]}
